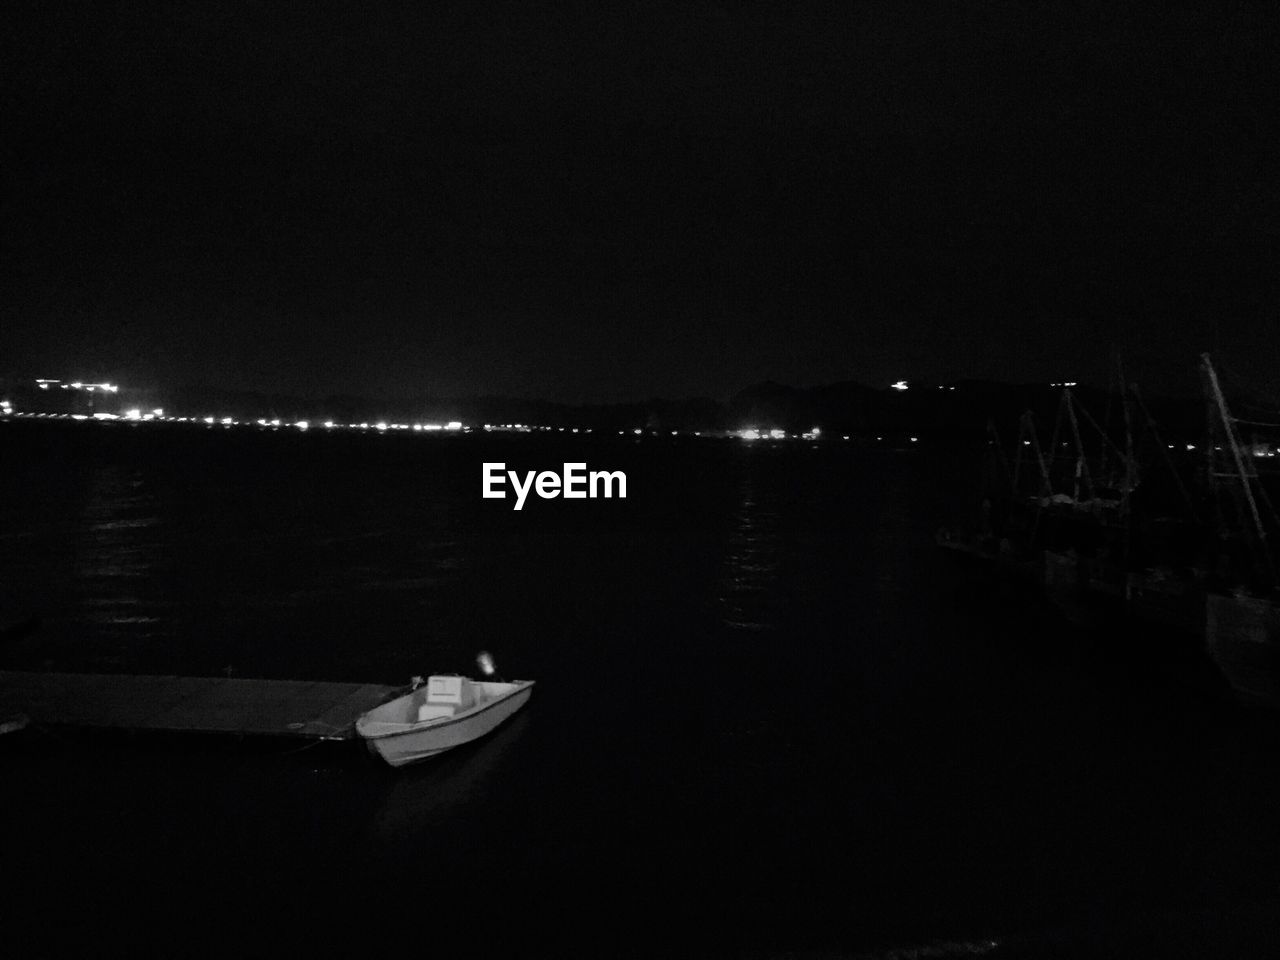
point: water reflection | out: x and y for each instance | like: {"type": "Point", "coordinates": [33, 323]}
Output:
{"type": "Point", "coordinates": [748, 591]}
{"type": "Point", "coordinates": [422, 798]}
{"type": "Point", "coordinates": [117, 564]}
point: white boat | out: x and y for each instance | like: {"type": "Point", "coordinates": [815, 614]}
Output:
{"type": "Point", "coordinates": [443, 713]}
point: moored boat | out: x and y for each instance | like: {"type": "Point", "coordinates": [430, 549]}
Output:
{"type": "Point", "coordinates": [443, 713]}
{"type": "Point", "coordinates": [1242, 622]}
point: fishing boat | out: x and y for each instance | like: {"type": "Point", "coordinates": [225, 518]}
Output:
{"type": "Point", "coordinates": [1044, 514]}
{"type": "Point", "coordinates": [991, 538]}
{"type": "Point", "coordinates": [1095, 517]}
{"type": "Point", "coordinates": [1242, 624]}
{"type": "Point", "coordinates": [446, 711]}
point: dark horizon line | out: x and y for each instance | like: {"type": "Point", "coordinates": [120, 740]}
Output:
{"type": "Point", "coordinates": [916, 386]}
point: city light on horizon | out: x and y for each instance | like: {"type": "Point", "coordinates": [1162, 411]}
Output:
{"type": "Point", "coordinates": [139, 414]}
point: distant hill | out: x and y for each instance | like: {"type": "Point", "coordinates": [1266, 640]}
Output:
{"type": "Point", "coordinates": [952, 412]}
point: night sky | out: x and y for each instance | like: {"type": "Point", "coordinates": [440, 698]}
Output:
{"type": "Point", "coordinates": [617, 200]}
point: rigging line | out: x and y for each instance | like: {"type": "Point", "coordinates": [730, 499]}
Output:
{"type": "Point", "coordinates": [1111, 443]}
{"type": "Point", "coordinates": [1256, 423]}
{"type": "Point", "coordinates": [1053, 446]}
{"type": "Point", "coordinates": [1046, 487]}
{"type": "Point", "coordinates": [1017, 456]}
{"type": "Point", "coordinates": [994, 438]}
{"type": "Point", "coordinates": [1082, 465]}
{"type": "Point", "coordinates": [1244, 383]}
{"type": "Point", "coordinates": [1262, 494]}
{"type": "Point", "coordinates": [1164, 452]}
{"type": "Point", "coordinates": [1106, 418]}
{"type": "Point", "coordinates": [1234, 443]}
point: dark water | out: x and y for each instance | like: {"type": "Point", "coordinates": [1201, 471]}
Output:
{"type": "Point", "coordinates": [771, 719]}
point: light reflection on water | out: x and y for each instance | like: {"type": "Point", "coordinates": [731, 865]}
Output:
{"type": "Point", "coordinates": [184, 569]}
{"type": "Point", "coordinates": [118, 558]}
{"type": "Point", "coordinates": [748, 587]}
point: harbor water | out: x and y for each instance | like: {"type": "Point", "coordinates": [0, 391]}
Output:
{"type": "Point", "coordinates": [772, 718]}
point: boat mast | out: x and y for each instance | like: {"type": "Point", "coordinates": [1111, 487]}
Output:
{"type": "Point", "coordinates": [1126, 503]}
{"type": "Point", "coordinates": [993, 439]}
{"type": "Point", "coordinates": [1130, 466]}
{"type": "Point", "coordinates": [1154, 429]}
{"type": "Point", "coordinates": [1233, 440]}
{"type": "Point", "coordinates": [1026, 428]}
{"type": "Point", "coordinates": [1082, 465]}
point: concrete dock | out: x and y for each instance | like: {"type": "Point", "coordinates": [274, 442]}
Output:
{"type": "Point", "coordinates": [283, 708]}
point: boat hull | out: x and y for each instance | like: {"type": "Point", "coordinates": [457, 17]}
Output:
{"type": "Point", "coordinates": [432, 739]}
{"type": "Point", "coordinates": [1242, 636]}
